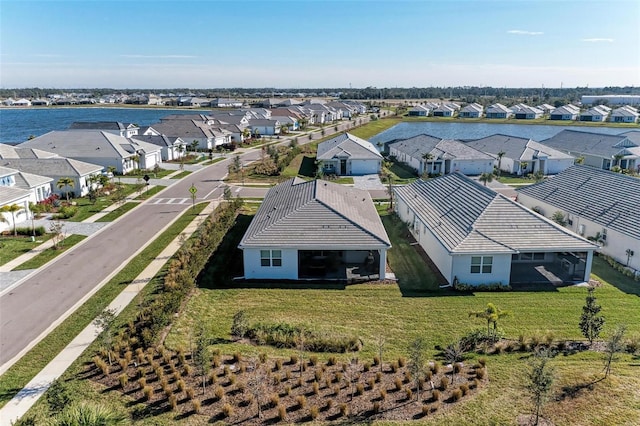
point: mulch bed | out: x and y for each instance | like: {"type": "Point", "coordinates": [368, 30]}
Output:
{"type": "Point", "coordinates": [322, 392]}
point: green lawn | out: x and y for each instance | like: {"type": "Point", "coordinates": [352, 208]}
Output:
{"type": "Point", "coordinates": [49, 254]}
{"type": "Point", "coordinates": [14, 379]}
{"type": "Point", "coordinates": [113, 215]}
{"type": "Point", "coordinates": [182, 174]}
{"type": "Point", "coordinates": [415, 307]}
{"type": "Point", "coordinates": [147, 193]}
{"type": "Point", "coordinates": [11, 247]}
{"type": "Point", "coordinates": [372, 128]}
{"type": "Point", "coordinates": [87, 209]}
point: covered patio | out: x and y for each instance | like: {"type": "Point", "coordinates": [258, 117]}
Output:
{"type": "Point", "coordinates": [352, 265]}
{"type": "Point", "coordinates": [554, 268]}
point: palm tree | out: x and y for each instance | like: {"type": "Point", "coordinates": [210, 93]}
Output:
{"type": "Point", "coordinates": [486, 178]}
{"type": "Point", "coordinates": [492, 314]}
{"type": "Point", "coordinates": [65, 182]}
{"type": "Point", "coordinates": [13, 209]}
{"type": "Point", "coordinates": [427, 159]}
{"type": "Point", "coordinates": [500, 155]}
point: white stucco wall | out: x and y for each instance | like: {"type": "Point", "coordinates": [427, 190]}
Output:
{"type": "Point", "coordinates": [253, 270]}
{"type": "Point", "coordinates": [616, 244]}
{"type": "Point", "coordinates": [555, 166]}
{"type": "Point", "coordinates": [500, 270]}
{"type": "Point", "coordinates": [431, 245]}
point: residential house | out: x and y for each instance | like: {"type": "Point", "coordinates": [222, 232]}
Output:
{"type": "Point", "coordinates": [10, 195]}
{"type": "Point", "coordinates": [546, 108]}
{"type": "Point", "coordinates": [419, 111]}
{"type": "Point", "coordinates": [625, 114]}
{"type": "Point", "coordinates": [193, 128]}
{"type": "Point", "coordinates": [434, 156]}
{"type": "Point", "coordinates": [170, 148]}
{"type": "Point", "coordinates": [566, 113]}
{"type": "Point", "coordinates": [349, 155]}
{"type": "Point", "coordinates": [471, 111]}
{"type": "Point", "coordinates": [498, 111]}
{"type": "Point", "coordinates": [55, 168]}
{"type": "Point", "coordinates": [99, 147]}
{"type": "Point", "coordinates": [476, 236]}
{"type": "Point", "coordinates": [444, 110]}
{"type": "Point", "coordinates": [597, 149]}
{"type": "Point", "coordinates": [597, 113]}
{"type": "Point", "coordinates": [126, 130]}
{"type": "Point", "coordinates": [526, 112]}
{"type": "Point", "coordinates": [225, 103]}
{"type": "Point", "coordinates": [264, 127]}
{"type": "Point", "coordinates": [193, 101]}
{"type": "Point", "coordinates": [521, 156]}
{"type": "Point", "coordinates": [595, 203]}
{"type": "Point", "coordinates": [306, 230]}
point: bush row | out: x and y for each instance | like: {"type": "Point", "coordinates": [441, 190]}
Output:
{"type": "Point", "coordinates": [481, 287]}
{"type": "Point", "coordinates": [157, 312]}
{"type": "Point", "coordinates": [620, 267]}
{"type": "Point", "coordinates": [37, 231]}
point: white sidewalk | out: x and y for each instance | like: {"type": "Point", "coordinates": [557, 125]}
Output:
{"type": "Point", "coordinates": [23, 401]}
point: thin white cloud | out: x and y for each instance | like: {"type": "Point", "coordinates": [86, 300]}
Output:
{"type": "Point", "coordinates": [597, 40]}
{"type": "Point", "coordinates": [158, 56]}
{"type": "Point", "coordinates": [523, 32]}
{"type": "Point", "coordinates": [47, 55]}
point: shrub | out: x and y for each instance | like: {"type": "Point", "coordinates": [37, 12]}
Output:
{"type": "Point", "coordinates": [383, 394]}
{"type": "Point", "coordinates": [408, 393]}
{"type": "Point", "coordinates": [366, 366]}
{"type": "Point", "coordinates": [480, 373]}
{"type": "Point", "coordinates": [435, 367]}
{"type": "Point", "coordinates": [282, 413]}
{"type": "Point", "coordinates": [38, 231]}
{"type": "Point", "coordinates": [456, 394]}
{"type": "Point", "coordinates": [232, 378]}
{"type": "Point", "coordinates": [287, 390]}
{"type": "Point", "coordinates": [402, 361]}
{"type": "Point", "coordinates": [278, 365]}
{"type": "Point", "coordinates": [425, 410]}
{"type": "Point", "coordinates": [276, 379]}
{"type": "Point", "coordinates": [301, 400]}
{"type": "Point", "coordinates": [332, 360]}
{"type": "Point", "coordinates": [359, 389]}
{"type": "Point", "coordinates": [313, 412]}
{"type": "Point", "coordinates": [313, 360]}
{"type": "Point", "coordinates": [376, 360]}
{"type": "Point", "coordinates": [464, 388]}
{"type": "Point", "coordinates": [191, 393]}
{"type": "Point", "coordinates": [293, 360]}
{"type": "Point", "coordinates": [371, 382]}
{"type": "Point", "coordinates": [316, 388]}
{"type": "Point", "coordinates": [196, 405]}
{"type": "Point", "coordinates": [378, 376]}
{"type": "Point", "coordinates": [398, 383]}
{"type": "Point", "coordinates": [124, 379]}
{"type": "Point", "coordinates": [482, 361]}
{"type": "Point", "coordinates": [237, 357]}
{"type": "Point", "coordinates": [394, 367]}
{"type": "Point", "coordinates": [219, 392]}
{"type": "Point", "coordinates": [262, 357]}
{"type": "Point", "coordinates": [407, 376]}
{"type": "Point", "coordinates": [377, 407]}
{"type": "Point", "coordinates": [188, 369]}
{"type": "Point", "coordinates": [329, 404]}
{"type": "Point", "coordinates": [213, 377]}
{"type": "Point", "coordinates": [173, 402]}
{"type": "Point", "coordinates": [336, 390]}
{"type": "Point", "coordinates": [444, 383]}
{"type": "Point", "coordinates": [274, 399]}
{"type": "Point", "coordinates": [148, 392]}
{"type": "Point", "coordinates": [288, 374]}
{"type": "Point", "coordinates": [142, 382]}
{"type": "Point", "coordinates": [227, 410]}
{"type": "Point", "coordinates": [343, 409]}
{"type": "Point", "coordinates": [435, 395]}
{"type": "Point", "coordinates": [337, 377]}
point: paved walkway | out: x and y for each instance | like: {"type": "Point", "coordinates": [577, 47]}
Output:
{"type": "Point", "coordinates": [28, 396]}
{"type": "Point", "coordinates": [368, 182]}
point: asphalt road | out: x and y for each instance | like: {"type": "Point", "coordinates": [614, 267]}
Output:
{"type": "Point", "coordinates": [31, 310]}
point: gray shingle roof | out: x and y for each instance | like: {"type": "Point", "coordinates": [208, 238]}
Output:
{"type": "Point", "coordinates": [100, 125]}
{"type": "Point", "coordinates": [467, 217]}
{"type": "Point", "coordinates": [585, 143]}
{"type": "Point", "coordinates": [316, 214]}
{"type": "Point", "coordinates": [347, 145]}
{"type": "Point", "coordinates": [88, 144]}
{"type": "Point", "coordinates": [26, 180]}
{"type": "Point", "coordinates": [52, 167]}
{"type": "Point", "coordinates": [606, 198]}
{"type": "Point", "coordinates": [10, 151]}
{"type": "Point", "coordinates": [447, 149]}
{"type": "Point", "coordinates": [12, 194]}
{"type": "Point", "coordinates": [515, 148]}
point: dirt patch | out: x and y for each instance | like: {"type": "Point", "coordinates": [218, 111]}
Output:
{"type": "Point", "coordinates": [328, 391]}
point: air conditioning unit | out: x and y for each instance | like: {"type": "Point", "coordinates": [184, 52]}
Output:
{"type": "Point", "coordinates": [581, 229]}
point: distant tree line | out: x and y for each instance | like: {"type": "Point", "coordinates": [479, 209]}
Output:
{"type": "Point", "coordinates": [482, 95]}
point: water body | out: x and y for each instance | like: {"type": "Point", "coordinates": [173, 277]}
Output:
{"type": "Point", "coordinates": [16, 125]}
{"type": "Point", "coordinates": [480, 130]}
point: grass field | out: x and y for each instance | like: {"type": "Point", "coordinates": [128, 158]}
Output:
{"type": "Point", "coordinates": [50, 254]}
{"type": "Point", "coordinates": [113, 215]}
{"type": "Point", "coordinates": [11, 247]}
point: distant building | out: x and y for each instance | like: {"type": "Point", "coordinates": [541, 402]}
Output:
{"type": "Point", "coordinates": [612, 99]}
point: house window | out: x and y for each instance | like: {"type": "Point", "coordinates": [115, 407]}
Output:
{"type": "Point", "coordinates": [270, 258]}
{"type": "Point", "coordinates": [481, 264]}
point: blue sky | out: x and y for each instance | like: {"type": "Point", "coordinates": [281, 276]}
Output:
{"type": "Point", "coordinates": [319, 43]}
